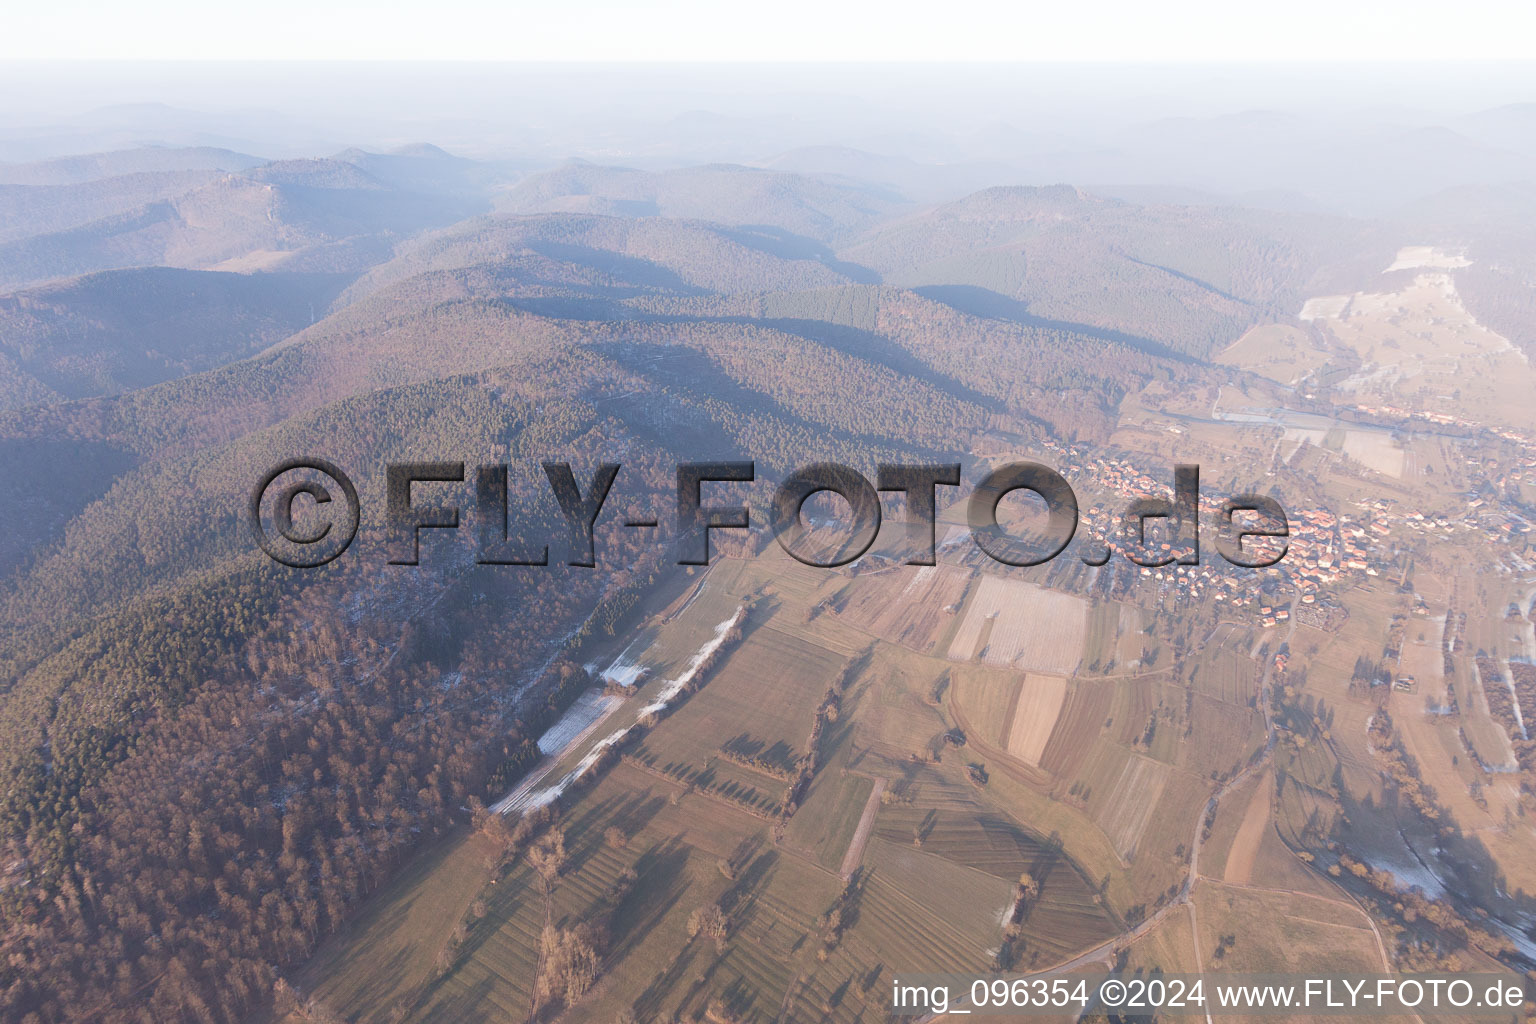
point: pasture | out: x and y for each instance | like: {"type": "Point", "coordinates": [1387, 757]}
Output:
{"type": "Point", "coordinates": [1283, 931]}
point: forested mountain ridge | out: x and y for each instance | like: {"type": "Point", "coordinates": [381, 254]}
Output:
{"type": "Point", "coordinates": [71, 170]}
{"type": "Point", "coordinates": [339, 214]}
{"type": "Point", "coordinates": [27, 211]}
{"type": "Point", "coordinates": [119, 330]}
{"type": "Point", "coordinates": [614, 256]}
{"type": "Point", "coordinates": [235, 223]}
{"type": "Point", "coordinates": [1184, 277]}
{"type": "Point", "coordinates": [824, 209]}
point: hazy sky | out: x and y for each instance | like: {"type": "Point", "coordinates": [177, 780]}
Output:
{"type": "Point", "coordinates": [606, 30]}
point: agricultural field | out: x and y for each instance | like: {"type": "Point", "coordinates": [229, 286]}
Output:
{"type": "Point", "coordinates": [1132, 646]}
{"type": "Point", "coordinates": [824, 826]}
{"type": "Point", "coordinates": [1255, 822]}
{"type": "Point", "coordinates": [1376, 450]}
{"type": "Point", "coordinates": [901, 717]}
{"type": "Point", "coordinates": [759, 705]}
{"type": "Point", "coordinates": [1068, 915]}
{"type": "Point", "coordinates": [914, 606]}
{"type": "Point", "coordinates": [1415, 257]}
{"type": "Point", "coordinates": [1078, 724]}
{"type": "Point", "coordinates": [1282, 353]}
{"type": "Point", "coordinates": [1324, 307]}
{"type": "Point", "coordinates": [1114, 640]}
{"type": "Point", "coordinates": [1282, 931]}
{"type": "Point", "coordinates": [1488, 731]}
{"type": "Point", "coordinates": [1423, 661]}
{"type": "Point", "coordinates": [913, 891]}
{"type": "Point", "coordinates": [1229, 735]}
{"type": "Point", "coordinates": [1230, 814]}
{"type": "Point", "coordinates": [1168, 948]}
{"type": "Point", "coordinates": [1036, 708]}
{"type": "Point", "coordinates": [1275, 866]}
{"type": "Point", "coordinates": [1226, 673]}
{"type": "Point", "coordinates": [1099, 641]}
{"type": "Point", "coordinates": [1011, 623]}
{"type": "Point", "coordinates": [1127, 808]}
{"type": "Point", "coordinates": [928, 883]}
{"type": "Point", "coordinates": [989, 699]}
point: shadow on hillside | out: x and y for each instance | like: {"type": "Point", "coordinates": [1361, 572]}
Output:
{"type": "Point", "coordinates": [628, 269]}
{"type": "Point", "coordinates": [41, 500]}
{"type": "Point", "coordinates": [788, 246]}
{"type": "Point", "coordinates": [984, 302]}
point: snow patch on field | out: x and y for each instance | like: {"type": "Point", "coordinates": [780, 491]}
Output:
{"type": "Point", "coordinates": [542, 797]}
{"type": "Point", "coordinates": [675, 686]}
{"type": "Point", "coordinates": [584, 718]}
{"type": "Point", "coordinates": [624, 671]}
{"type": "Point", "coordinates": [590, 708]}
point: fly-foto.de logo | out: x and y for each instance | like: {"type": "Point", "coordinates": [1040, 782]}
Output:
{"type": "Point", "coordinates": [305, 512]}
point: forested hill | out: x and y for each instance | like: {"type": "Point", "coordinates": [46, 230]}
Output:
{"type": "Point", "coordinates": [824, 209]}
{"type": "Point", "coordinates": [202, 209]}
{"type": "Point", "coordinates": [1188, 278]}
{"type": "Point", "coordinates": [124, 329]}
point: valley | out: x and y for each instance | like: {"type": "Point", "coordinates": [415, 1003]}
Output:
{"type": "Point", "coordinates": [752, 791]}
